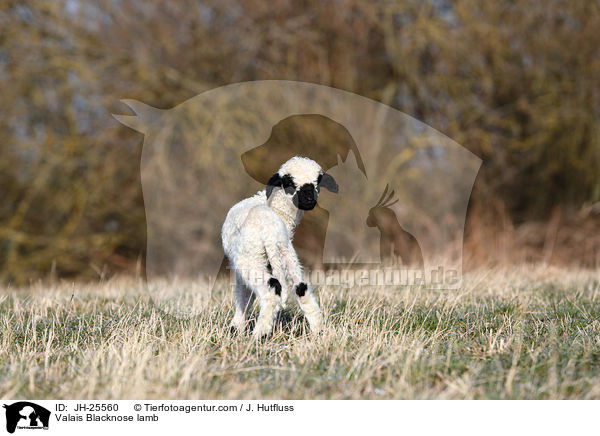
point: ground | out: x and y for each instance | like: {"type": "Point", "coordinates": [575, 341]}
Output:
{"type": "Point", "coordinates": [519, 333]}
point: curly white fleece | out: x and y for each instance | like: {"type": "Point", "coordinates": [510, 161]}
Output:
{"type": "Point", "coordinates": [258, 232]}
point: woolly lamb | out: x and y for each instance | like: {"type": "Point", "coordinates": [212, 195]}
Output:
{"type": "Point", "coordinates": [257, 239]}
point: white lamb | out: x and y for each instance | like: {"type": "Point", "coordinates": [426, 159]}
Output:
{"type": "Point", "coordinates": [257, 239]}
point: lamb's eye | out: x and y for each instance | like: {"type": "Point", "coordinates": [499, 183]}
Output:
{"type": "Point", "coordinates": [288, 184]}
{"type": "Point", "coordinates": [319, 178]}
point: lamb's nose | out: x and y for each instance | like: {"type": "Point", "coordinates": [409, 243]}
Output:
{"type": "Point", "coordinates": [308, 192]}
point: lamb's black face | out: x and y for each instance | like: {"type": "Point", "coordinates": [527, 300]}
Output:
{"type": "Point", "coordinates": [301, 182]}
{"type": "Point", "coordinates": [306, 197]}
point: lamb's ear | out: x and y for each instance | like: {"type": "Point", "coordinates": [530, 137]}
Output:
{"type": "Point", "coordinates": [328, 182]}
{"type": "Point", "coordinates": [272, 183]}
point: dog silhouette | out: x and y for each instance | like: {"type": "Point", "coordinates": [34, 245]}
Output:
{"type": "Point", "coordinates": [318, 138]}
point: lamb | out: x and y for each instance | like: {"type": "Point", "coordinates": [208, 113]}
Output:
{"type": "Point", "coordinates": [257, 239]}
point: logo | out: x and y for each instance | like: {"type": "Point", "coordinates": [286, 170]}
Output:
{"type": "Point", "coordinates": [26, 415]}
{"type": "Point", "coordinates": [403, 193]}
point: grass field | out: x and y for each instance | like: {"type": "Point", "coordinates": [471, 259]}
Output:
{"type": "Point", "coordinates": [528, 333]}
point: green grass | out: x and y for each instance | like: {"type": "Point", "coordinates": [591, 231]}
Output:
{"type": "Point", "coordinates": [528, 333]}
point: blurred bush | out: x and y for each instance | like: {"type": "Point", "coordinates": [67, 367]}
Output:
{"type": "Point", "coordinates": [515, 82]}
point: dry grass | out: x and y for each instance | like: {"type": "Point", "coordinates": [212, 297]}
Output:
{"type": "Point", "coordinates": [512, 333]}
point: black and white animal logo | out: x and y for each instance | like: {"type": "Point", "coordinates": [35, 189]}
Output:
{"type": "Point", "coordinates": [26, 415]}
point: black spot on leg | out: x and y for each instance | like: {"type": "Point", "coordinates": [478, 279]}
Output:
{"type": "Point", "coordinates": [274, 283]}
{"type": "Point", "coordinates": [301, 289]}
{"type": "Point", "coordinates": [269, 268]}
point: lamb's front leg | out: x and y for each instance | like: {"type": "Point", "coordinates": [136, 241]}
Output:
{"type": "Point", "coordinates": [308, 304]}
{"type": "Point", "coordinates": [303, 291]}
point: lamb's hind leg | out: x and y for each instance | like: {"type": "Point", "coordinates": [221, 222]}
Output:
{"type": "Point", "coordinates": [304, 294]}
{"type": "Point", "coordinates": [244, 298]}
{"type": "Point", "coordinates": [270, 304]}
{"type": "Point", "coordinates": [268, 290]}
